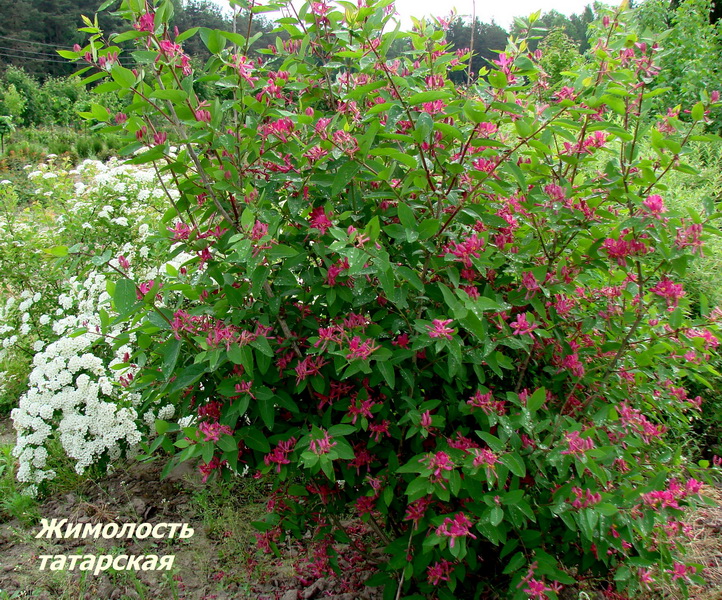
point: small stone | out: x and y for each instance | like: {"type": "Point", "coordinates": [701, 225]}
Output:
{"type": "Point", "coordinates": [290, 595]}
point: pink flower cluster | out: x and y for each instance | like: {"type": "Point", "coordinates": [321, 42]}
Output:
{"type": "Point", "coordinates": [322, 445]}
{"type": "Point", "coordinates": [279, 455]}
{"type": "Point", "coordinates": [585, 498]}
{"type": "Point", "coordinates": [621, 248]}
{"type": "Point", "coordinates": [212, 432]}
{"type": "Point", "coordinates": [486, 402]}
{"type": "Point", "coordinates": [634, 421]}
{"type": "Point", "coordinates": [470, 247]}
{"type": "Point", "coordinates": [438, 464]}
{"type": "Point", "coordinates": [671, 292]}
{"type": "Point", "coordinates": [576, 444]}
{"type": "Point", "coordinates": [439, 329]}
{"type": "Point", "coordinates": [523, 327]}
{"type": "Point", "coordinates": [439, 571]}
{"type": "Point", "coordinates": [669, 498]}
{"type": "Point", "coordinates": [456, 527]}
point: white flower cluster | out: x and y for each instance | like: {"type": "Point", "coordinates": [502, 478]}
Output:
{"type": "Point", "coordinates": [74, 392]}
{"type": "Point", "coordinates": [76, 389]}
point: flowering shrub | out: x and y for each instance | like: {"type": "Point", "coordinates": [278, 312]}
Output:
{"type": "Point", "coordinates": [454, 312]}
{"type": "Point", "coordinates": [73, 384]}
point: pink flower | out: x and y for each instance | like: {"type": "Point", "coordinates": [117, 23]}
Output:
{"type": "Point", "coordinates": [244, 66]}
{"type": "Point", "coordinates": [439, 571]}
{"type": "Point", "coordinates": [439, 329]}
{"type": "Point", "coordinates": [456, 527]}
{"type": "Point", "coordinates": [471, 246]}
{"type": "Point", "coordinates": [645, 576]}
{"type": "Point", "coordinates": [319, 8]}
{"type": "Point", "coordinates": [529, 282]}
{"type": "Point", "coordinates": [146, 22]}
{"type": "Point", "coordinates": [585, 498]}
{"type": "Point", "coordinates": [207, 468]}
{"type": "Point", "coordinates": [485, 458]}
{"type": "Point", "coordinates": [690, 237]}
{"type": "Point", "coordinates": [180, 231]}
{"type": "Point", "coordinates": [417, 509]}
{"type": "Point", "coordinates": [212, 432]}
{"type": "Point", "coordinates": [203, 116]}
{"type": "Point", "coordinates": [655, 204]}
{"type": "Point", "coordinates": [322, 445]}
{"type": "Point", "coordinates": [537, 589]}
{"type": "Point", "coordinates": [320, 220]}
{"type": "Point", "coordinates": [577, 445]}
{"type": "Point", "coordinates": [359, 349]}
{"type": "Point", "coordinates": [379, 429]}
{"type": "Point", "coordinates": [487, 403]}
{"type": "Point", "coordinates": [144, 288]}
{"type": "Point", "coordinates": [307, 367]}
{"type": "Point", "coordinates": [522, 327]}
{"type": "Point", "coordinates": [681, 571]}
{"type": "Point", "coordinates": [621, 248]}
{"type": "Point", "coordinates": [279, 455]}
{"type": "Point", "coordinates": [365, 505]}
{"type": "Point", "coordinates": [401, 341]}
{"type": "Point", "coordinates": [671, 292]}
{"type": "Point", "coordinates": [438, 464]}
{"type": "Point", "coordinates": [434, 108]}
{"type": "Point", "coordinates": [572, 364]}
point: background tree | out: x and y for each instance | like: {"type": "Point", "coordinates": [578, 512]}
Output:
{"type": "Point", "coordinates": [574, 26]}
{"type": "Point", "coordinates": [489, 38]}
{"type": "Point", "coordinates": [559, 53]}
{"type": "Point", "coordinates": [690, 62]}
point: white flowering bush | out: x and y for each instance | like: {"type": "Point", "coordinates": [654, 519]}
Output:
{"type": "Point", "coordinates": [75, 391]}
{"type": "Point", "coordinates": [69, 377]}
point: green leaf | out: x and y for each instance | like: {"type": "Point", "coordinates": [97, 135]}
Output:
{"type": "Point", "coordinates": [188, 376]}
{"type": "Point", "coordinates": [227, 443]}
{"type": "Point", "coordinates": [119, 38]}
{"type": "Point", "coordinates": [396, 154]}
{"type": "Point", "coordinates": [496, 516]}
{"type": "Point", "coordinates": [122, 76]}
{"type": "Point", "coordinates": [188, 33]}
{"type": "Point", "coordinates": [422, 97]}
{"type": "Point", "coordinates": [515, 463]}
{"type": "Point", "coordinates": [59, 251]}
{"type": "Point", "coordinates": [172, 95]}
{"type": "Point", "coordinates": [341, 430]}
{"type": "Point", "coordinates": [170, 351]}
{"type": "Point", "coordinates": [428, 228]}
{"type": "Point", "coordinates": [241, 355]}
{"type": "Point", "coordinates": [534, 403]}
{"type": "Point", "coordinates": [406, 216]}
{"type": "Point", "coordinates": [498, 79]}
{"type": "Point", "coordinates": [124, 297]}
{"type": "Point", "coordinates": [213, 39]}
{"type": "Point", "coordinates": [387, 370]}
{"type": "Point", "coordinates": [343, 176]}
{"type": "Point", "coordinates": [266, 410]}
{"type": "Point", "coordinates": [255, 440]}
{"type": "Point", "coordinates": [424, 126]}
{"type": "Point", "coordinates": [698, 111]}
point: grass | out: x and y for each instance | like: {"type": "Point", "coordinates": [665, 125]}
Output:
{"type": "Point", "coordinates": [13, 503]}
